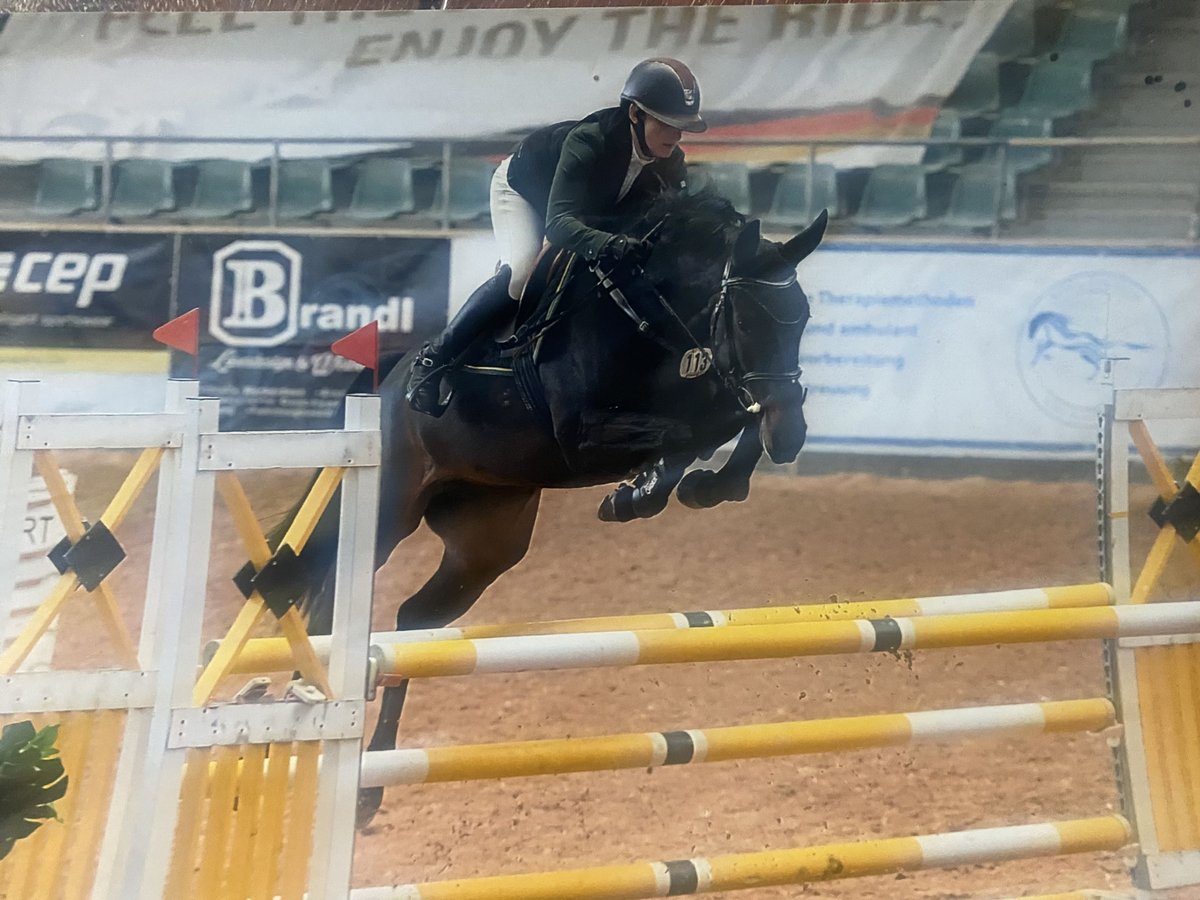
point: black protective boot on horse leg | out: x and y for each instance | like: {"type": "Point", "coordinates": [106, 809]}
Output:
{"type": "Point", "coordinates": [648, 494]}
{"type": "Point", "coordinates": [486, 308]}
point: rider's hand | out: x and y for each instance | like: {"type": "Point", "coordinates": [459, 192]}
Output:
{"type": "Point", "coordinates": [621, 248]}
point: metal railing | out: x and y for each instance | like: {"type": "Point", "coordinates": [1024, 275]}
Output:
{"type": "Point", "coordinates": [440, 154]}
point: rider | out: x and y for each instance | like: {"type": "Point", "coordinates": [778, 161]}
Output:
{"type": "Point", "coordinates": [564, 184]}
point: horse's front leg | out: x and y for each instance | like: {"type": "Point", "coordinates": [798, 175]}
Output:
{"type": "Point", "coordinates": [648, 494]}
{"type": "Point", "coordinates": [703, 488]}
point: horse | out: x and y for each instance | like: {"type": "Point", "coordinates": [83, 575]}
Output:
{"type": "Point", "coordinates": [663, 365]}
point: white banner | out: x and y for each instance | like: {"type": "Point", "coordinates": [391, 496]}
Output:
{"type": "Point", "coordinates": [803, 71]}
{"type": "Point", "coordinates": [990, 350]}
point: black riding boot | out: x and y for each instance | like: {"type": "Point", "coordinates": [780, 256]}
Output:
{"type": "Point", "coordinates": [484, 309]}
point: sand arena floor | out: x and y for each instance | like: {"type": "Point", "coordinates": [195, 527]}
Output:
{"type": "Point", "coordinates": [797, 540]}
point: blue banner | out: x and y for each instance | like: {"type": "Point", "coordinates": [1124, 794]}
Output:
{"type": "Point", "coordinates": [271, 305]}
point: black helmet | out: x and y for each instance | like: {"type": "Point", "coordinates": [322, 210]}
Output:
{"type": "Point", "coordinates": [666, 89]}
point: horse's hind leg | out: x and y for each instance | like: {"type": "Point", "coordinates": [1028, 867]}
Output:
{"type": "Point", "coordinates": [485, 532]}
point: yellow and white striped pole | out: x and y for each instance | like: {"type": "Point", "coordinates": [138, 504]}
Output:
{"type": "Point", "coordinates": [272, 654]}
{"type": "Point", "coordinates": [674, 748]}
{"type": "Point", "coordinates": [779, 867]}
{"type": "Point", "coordinates": [629, 648]}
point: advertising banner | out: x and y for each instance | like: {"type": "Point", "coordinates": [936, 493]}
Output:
{"type": "Point", "coordinates": [272, 305]}
{"type": "Point", "coordinates": [83, 290]}
{"type": "Point", "coordinates": [795, 71]}
{"type": "Point", "coordinates": [989, 350]}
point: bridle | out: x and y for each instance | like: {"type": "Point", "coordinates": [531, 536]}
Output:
{"type": "Point", "coordinates": [737, 377]}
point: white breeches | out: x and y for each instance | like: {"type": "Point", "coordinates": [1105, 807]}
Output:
{"type": "Point", "coordinates": [518, 227]}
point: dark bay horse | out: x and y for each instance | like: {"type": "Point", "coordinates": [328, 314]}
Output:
{"type": "Point", "coordinates": [717, 357]}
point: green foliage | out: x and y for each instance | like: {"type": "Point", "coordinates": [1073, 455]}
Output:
{"type": "Point", "coordinates": [31, 779]}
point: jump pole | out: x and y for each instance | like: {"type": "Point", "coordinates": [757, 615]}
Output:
{"type": "Point", "coordinates": [273, 655]}
{"type": "Point", "coordinates": [397, 662]}
{"type": "Point", "coordinates": [515, 759]}
{"type": "Point", "coordinates": [780, 867]}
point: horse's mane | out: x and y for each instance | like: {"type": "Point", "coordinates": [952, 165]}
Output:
{"type": "Point", "coordinates": [692, 242]}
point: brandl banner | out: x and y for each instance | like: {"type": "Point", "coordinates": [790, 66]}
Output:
{"type": "Point", "coordinates": [272, 305]}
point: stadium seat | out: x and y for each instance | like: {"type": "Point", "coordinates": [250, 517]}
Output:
{"type": "Point", "coordinates": [947, 126]}
{"type": "Point", "coordinates": [895, 195]}
{"type": "Point", "coordinates": [470, 189]}
{"type": "Point", "coordinates": [789, 206]}
{"type": "Point", "coordinates": [974, 202]}
{"type": "Point", "coordinates": [67, 186]}
{"type": "Point", "coordinates": [224, 187]}
{"type": "Point", "coordinates": [1057, 88]}
{"type": "Point", "coordinates": [1087, 37]}
{"type": "Point", "coordinates": [1024, 159]}
{"type": "Point", "coordinates": [978, 92]}
{"type": "Point", "coordinates": [18, 185]}
{"type": "Point", "coordinates": [305, 187]}
{"type": "Point", "coordinates": [1015, 35]}
{"type": "Point", "coordinates": [142, 187]}
{"type": "Point", "coordinates": [730, 180]}
{"type": "Point", "coordinates": [384, 189]}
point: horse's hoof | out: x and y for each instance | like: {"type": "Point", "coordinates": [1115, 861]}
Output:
{"type": "Point", "coordinates": [618, 506]}
{"type": "Point", "coordinates": [369, 801]}
{"type": "Point", "coordinates": [693, 491]}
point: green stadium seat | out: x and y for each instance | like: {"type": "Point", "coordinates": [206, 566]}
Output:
{"type": "Point", "coordinates": [384, 189]}
{"type": "Point", "coordinates": [18, 185]}
{"type": "Point", "coordinates": [894, 196]}
{"type": "Point", "coordinates": [224, 187]}
{"type": "Point", "coordinates": [1089, 37]}
{"type": "Point", "coordinates": [305, 187]}
{"type": "Point", "coordinates": [470, 190]}
{"type": "Point", "coordinates": [67, 186]}
{"type": "Point", "coordinates": [1057, 88]}
{"type": "Point", "coordinates": [142, 187]}
{"type": "Point", "coordinates": [789, 205]}
{"type": "Point", "coordinates": [1024, 159]}
{"type": "Point", "coordinates": [729, 180]}
{"type": "Point", "coordinates": [978, 92]}
{"type": "Point", "coordinates": [974, 201]}
{"type": "Point", "coordinates": [1014, 37]}
{"type": "Point", "coordinates": [947, 126]}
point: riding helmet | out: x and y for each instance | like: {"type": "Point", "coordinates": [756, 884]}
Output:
{"type": "Point", "coordinates": [666, 89]}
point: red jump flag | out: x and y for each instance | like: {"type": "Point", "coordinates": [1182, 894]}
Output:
{"type": "Point", "coordinates": [362, 347]}
{"type": "Point", "coordinates": [183, 333]}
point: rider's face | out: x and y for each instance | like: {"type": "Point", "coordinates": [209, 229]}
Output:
{"type": "Point", "coordinates": [661, 138]}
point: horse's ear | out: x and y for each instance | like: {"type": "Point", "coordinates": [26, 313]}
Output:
{"type": "Point", "coordinates": [745, 248]}
{"type": "Point", "coordinates": [806, 241]}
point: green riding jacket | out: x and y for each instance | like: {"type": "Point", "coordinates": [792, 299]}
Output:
{"type": "Point", "coordinates": [572, 173]}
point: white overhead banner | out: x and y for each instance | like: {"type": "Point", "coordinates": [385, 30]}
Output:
{"type": "Point", "coordinates": [802, 71]}
{"type": "Point", "coordinates": [990, 350]}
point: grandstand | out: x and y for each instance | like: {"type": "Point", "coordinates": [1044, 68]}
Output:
{"type": "Point", "coordinates": [1075, 121]}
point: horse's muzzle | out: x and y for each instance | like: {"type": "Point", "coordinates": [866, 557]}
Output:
{"type": "Point", "coordinates": [784, 428]}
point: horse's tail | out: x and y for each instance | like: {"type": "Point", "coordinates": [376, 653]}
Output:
{"type": "Point", "coordinates": [313, 592]}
